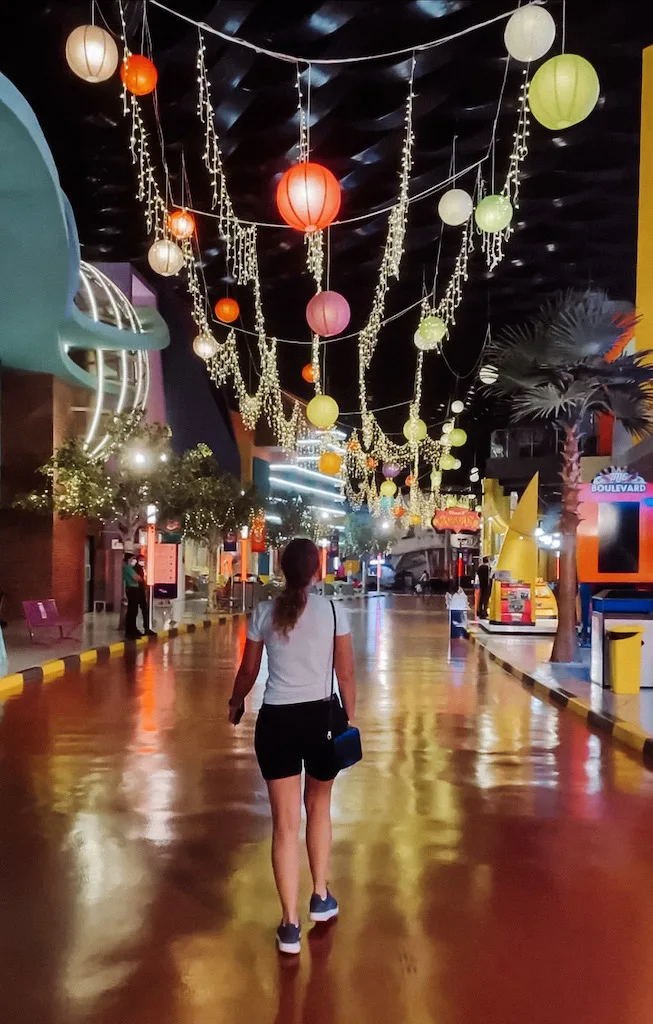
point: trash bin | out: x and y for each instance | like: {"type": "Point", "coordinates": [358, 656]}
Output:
{"type": "Point", "coordinates": [625, 653]}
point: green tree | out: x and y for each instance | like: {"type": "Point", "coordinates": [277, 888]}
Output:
{"type": "Point", "coordinates": [565, 366]}
{"type": "Point", "coordinates": [211, 503]}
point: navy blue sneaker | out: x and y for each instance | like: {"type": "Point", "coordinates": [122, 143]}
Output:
{"type": "Point", "coordinates": [323, 909]}
{"type": "Point", "coordinates": [289, 938]}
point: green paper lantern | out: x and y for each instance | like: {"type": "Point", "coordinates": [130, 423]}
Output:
{"type": "Point", "coordinates": [564, 91]}
{"type": "Point", "coordinates": [414, 431]}
{"type": "Point", "coordinates": [447, 462]}
{"type": "Point", "coordinates": [430, 333]}
{"type": "Point", "coordinates": [494, 214]}
{"type": "Point", "coordinates": [457, 437]}
{"type": "Point", "coordinates": [388, 489]}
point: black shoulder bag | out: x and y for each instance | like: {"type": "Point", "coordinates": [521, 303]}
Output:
{"type": "Point", "coordinates": [346, 745]}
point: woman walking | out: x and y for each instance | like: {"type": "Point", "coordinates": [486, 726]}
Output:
{"type": "Point", "coordinates": [304, 635]}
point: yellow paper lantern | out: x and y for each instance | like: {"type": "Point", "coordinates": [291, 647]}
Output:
{"type": "Point", "coordinates": [563, 91]}
{"type": "Point", "coordinates": [529, 33]}
{"type": "Point", "coordinates": [447, 462]}
{"type": "Point", "coordinates": [91, 53]}
{"type": "Point", "coordinates": [430, 333]}
{"type": "Point", "coordinates": [322, 411]}
{"type": "Point", "coordinates": [388, 489]}
{"type": "Point", "coordinates": [415, 520]}
{"type": "Point", "coordinates": [205, 346]}
{"type": "Point", "coordinates": [494, 214]}
{"type": "Point", "coordinates": [329, 463]}
{"type": "Point", "coordinates": [457, 437]}
{"type": "Point", "coordinates": [165, 257]}
{"type": "Point", "coordinates": [414, 431]}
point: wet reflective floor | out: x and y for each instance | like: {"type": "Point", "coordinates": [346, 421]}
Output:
{"type": "Point", "coordinates": [492, 857]}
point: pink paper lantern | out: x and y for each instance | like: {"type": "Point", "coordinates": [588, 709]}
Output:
{"type": "Point", "coordinates": [328, 313]}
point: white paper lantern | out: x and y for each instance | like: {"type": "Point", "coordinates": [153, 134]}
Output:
{"type": "Point", "coordinates": [455, 207]}
{"type": "Point", "coordinates": [488, 374]}
{"type": "Point", "coordinates": [530, 33]}
{"type": "Point", "coordinates": [457, 464]}
{"type": "Point", "coordinates": [447, 427]}
{"type": "Point", "coordinates": [91, 53]}
{"type": "Point", "coordinates": [457, 406]}
{"type": "Point", "coordinates": [165, 257]}
{"type": "Point", "coordinates": [205, 346]}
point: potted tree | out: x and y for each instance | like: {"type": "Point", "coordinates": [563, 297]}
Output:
{"type": "Point", "coordinates": [567, 366]}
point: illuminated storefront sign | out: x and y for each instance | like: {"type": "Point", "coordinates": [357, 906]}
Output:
{"type": "Point", "coordinates": [460, 520]}
{"type": "Point", "coordinates": [618, 481]}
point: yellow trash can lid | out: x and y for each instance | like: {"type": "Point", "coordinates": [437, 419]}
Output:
{"type": "Point", "coordinates": [625, 631]}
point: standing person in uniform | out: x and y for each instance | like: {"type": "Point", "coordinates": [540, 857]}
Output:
{"type": "Point", "coordinates": [132, 583]}
{"type": "Point", "coordinates": [303, 640]}
{"type": "Point", "coordinates": [484, 574]}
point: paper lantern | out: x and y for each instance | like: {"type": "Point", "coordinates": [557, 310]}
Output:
{"type": "Point", "coordinates": [390, 470]}
{"type": "Point", "coordinates": [457, 437]}
{"type": "Point", "coordinates": [91, 53]}
{"type": "Point", "coordinates": [181, 224]}
{"type": "Point", "coordinates": [529, 33]}
{"type": "Point", "coordinates": [205, 346]}
{"type": "Point", "coordinates": [308, 197]}
{"type": "Point", "coordinates": [138, 74]}
{"type": "Point", "coordinates": [165, 257]}
{"type": "Point", "coordinates": [414, 431]}
{"type": "Point", "coordinates": [457, 406]}
{"type": "Point", "coordinates": [415, 520]}
{"type": "Point", "coordinates": [494, 214]}
{"type": "Point", "coordinates": [410, 480]}
{"type": "Point", "coordinates": [388, 489]}
{"type": "Point", "coordinates": [447, 462]}
{"type": "Point", "coordinates": [447, 426]}
{"type": "Point", "coordinates": [457, 464]}
{"type": "Point", "coordinates": [370, 462]}
{"type": "Point", "coordinates": [399, 511]}
{"type": "Point", "coordinates": [308, 373]}
{"type": "Point", "coordinates": [488, 374]}
{"type": "Point", "coordinates": [328, 313]}
{"type": "Point", "coordinates": [227, 310]}
{"type": "Point", "coordinates": [563, 91]}
{"type": "Point", "coordinates": [455, 207]}
{"type": "Point", "coordinates": [329, 463]}
{"type": "Point", "coordinates": [430, 333]}
{"type": "Point", "coordinates": [322, 411]}
{"type": "Point", "coordinates": [474, 469]}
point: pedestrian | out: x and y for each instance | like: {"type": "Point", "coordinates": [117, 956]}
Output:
{"type": "Point", "coordinates": [484, 575]}
{"type": "Point", "coordinates": [132, 583]}
{"type": "Point", "coordinates": [457, 607]}
{"type": "Point", "coordinates": [304, 635]}
{"type": "Point", "coordinates": [424, 583]}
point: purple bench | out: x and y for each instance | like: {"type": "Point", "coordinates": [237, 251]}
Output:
{"type": "Point", "coordinates": [44, 615]}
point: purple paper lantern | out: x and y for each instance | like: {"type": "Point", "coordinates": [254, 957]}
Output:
{"type": "Point", "coordinates": [391, 470]}
{"type": "Point", "coordinates": [328, 313]}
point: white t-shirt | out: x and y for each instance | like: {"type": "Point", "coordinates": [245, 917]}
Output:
{"type": "Point", "coordinates": [299, 665]}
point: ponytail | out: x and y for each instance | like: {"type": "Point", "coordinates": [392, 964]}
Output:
{"type": "Point", "coordinates": [300, 563]}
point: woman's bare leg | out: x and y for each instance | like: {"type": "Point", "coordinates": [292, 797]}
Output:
{"type": "Point", "coordinates": [317, 799]}
{"type": "Point", "coordinates": [285, 801]}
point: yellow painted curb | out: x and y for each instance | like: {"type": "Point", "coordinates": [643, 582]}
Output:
{"type": "Point", "coordinates": [11, 685]}
{"type": "Point", "coordinates": [52, 670]}
{"type": "Point", "coordinates": [630, 734]}
{"type": "Point", "coordinates": [88, 657]}
{"type": "Point", "coordinates": [115, 649]}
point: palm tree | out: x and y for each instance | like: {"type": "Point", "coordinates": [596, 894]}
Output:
{"type": "Point", "coordinates": [567, 366]}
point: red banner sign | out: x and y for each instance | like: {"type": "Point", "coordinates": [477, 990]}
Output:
{"type": "Point", "coordinates": [460, 520]}
{"type": "Point", "coordinates": [258, 534]}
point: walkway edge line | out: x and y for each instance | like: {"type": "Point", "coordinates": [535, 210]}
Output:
{"type": "Point", "coordinates": [14, 684]}
{"type": "Point", "coordinates": [626, 733]}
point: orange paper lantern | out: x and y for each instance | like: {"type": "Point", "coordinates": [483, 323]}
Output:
{"type": "Point", "coordinates": [308, 373]}
{"type": "Point", "coordinates": [138, 74]}
{"type": "Point", "coordinates": [227, 310]}
{"type": "Point", "coordinates": [399, 512]}
{"type": "Point", "coordinates": [181, 224]}
{"type": "Point", "coordinates": [308, 197]}
{"type": "Point", "coordinates": [371, 463]}
{"type": "Point", "coordinates": [329, 463]}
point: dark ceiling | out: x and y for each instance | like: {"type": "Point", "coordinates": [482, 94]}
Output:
{"type": "Point", "coordinates": [576, 224]}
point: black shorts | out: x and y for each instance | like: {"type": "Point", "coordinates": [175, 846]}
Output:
{"type": "Point", "coordinates": [292, 736]}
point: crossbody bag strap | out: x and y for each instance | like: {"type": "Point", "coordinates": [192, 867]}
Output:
{"type": "Point", "coordinates": [333, 655]}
